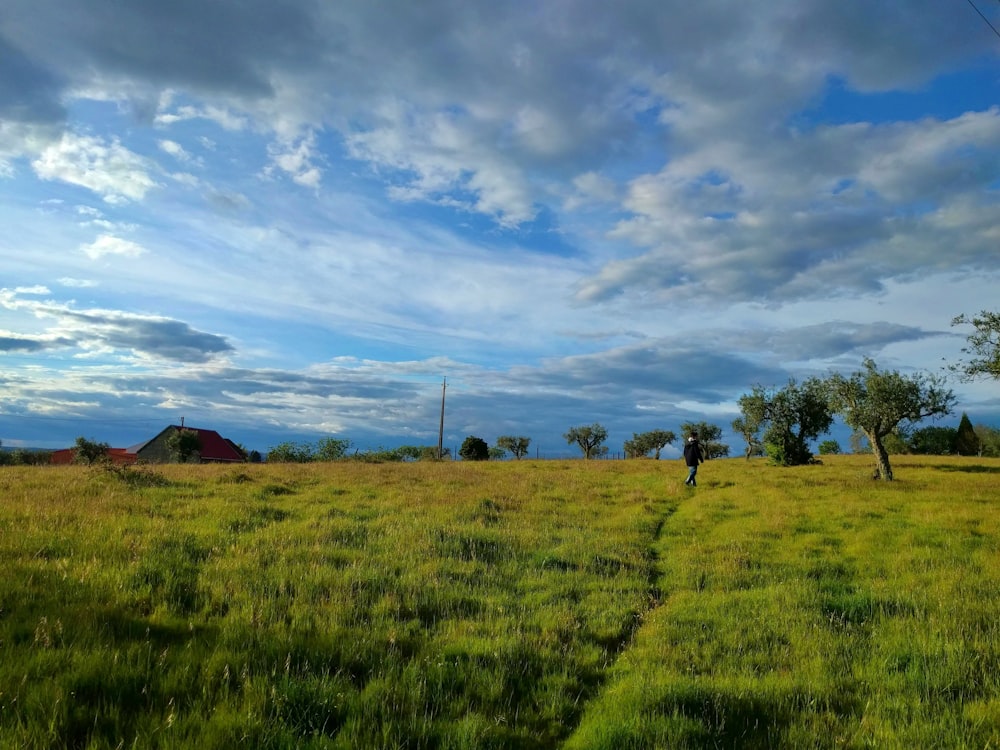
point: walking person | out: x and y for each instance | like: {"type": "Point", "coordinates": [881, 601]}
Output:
{"type": "Point", "coordinates": [692, 457]}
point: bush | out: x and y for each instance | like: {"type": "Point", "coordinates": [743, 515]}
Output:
{"type": "Point", "coordinates": [474, 449]}
{"type": "Point", "coordinates": [290, 453]}
{"type": "Point", "coordinates": [829, 448]}
{"type": "Point", "coordinates": [89, 451]}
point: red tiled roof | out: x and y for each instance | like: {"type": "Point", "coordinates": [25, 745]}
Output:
{"type": "Point", "coordinates": [214, 447]}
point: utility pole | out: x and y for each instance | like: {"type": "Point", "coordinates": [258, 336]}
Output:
{"type": "Point", "coordinates": [444, 384]}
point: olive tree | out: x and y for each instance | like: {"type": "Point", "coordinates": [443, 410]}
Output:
{"type": "Point", "coordinates": [750, 432]}
{"type": "Point", "coordinates": [983, 346]}
{"type": "Point", "coordinates": [516, 446]}
{"type": "Point", "coordinates": [791, 417]}
{"type": "Point", "coordinates": [642, 443]}
{"type": "Point", "coordinates": [590, 439]}
{"type": "Point", "coordinates": [876, 402]}
{"type": "Point", "coordinates": [709, 436]}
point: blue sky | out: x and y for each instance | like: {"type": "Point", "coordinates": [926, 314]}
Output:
{"type": "Point", "coordinates": [286, 220]}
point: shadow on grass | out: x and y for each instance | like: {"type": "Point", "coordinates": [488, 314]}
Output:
{"type": "Point", "coordinates": [971, 469]}
{"type": "Point", "coordinates": [747, 721]}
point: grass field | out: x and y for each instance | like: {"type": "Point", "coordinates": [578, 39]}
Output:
{"type": "Point", "coordinates": [562, 604]}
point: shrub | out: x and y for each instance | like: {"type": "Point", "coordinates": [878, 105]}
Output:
{"type": "Point", "coordinates": [474, 449]}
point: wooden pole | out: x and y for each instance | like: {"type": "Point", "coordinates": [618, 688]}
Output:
{"type": "Point", "coordinates": [444, 384]}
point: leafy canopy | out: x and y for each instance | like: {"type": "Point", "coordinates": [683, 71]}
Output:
{"type": "Point", "coordinates": [709, 436]}
{"type": "Point", "coordinates": [791, 418]}
{"type": "Point", "coordinates": [89, 451]}
{"type": "Point", "coordinates": [474, 449]}
{"type": "Point", "coordinates": [876, 402]}
{"type": "Point", "coordinates": [516, 446]}
{"type": "Point", "coordinates": [983, 346]}
{"type": "Point", "coordinates": [642, 443]}
{"type": "Point", "coordinates": [183, 444]}
{"type": "Point", "coordinates": [590, 439]}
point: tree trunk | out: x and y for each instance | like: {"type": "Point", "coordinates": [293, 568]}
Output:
{"type": "Point", "coordinates": [882, 470]}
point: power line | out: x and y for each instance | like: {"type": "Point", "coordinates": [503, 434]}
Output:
{"type": "Point", "coordinates": [984, 18]}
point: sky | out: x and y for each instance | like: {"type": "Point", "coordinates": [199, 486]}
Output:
{"type": "Point", "coordinates": [286, 220]}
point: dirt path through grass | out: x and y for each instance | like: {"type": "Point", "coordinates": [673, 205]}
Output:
{"type": "Point", "coordinates": [796, 611]}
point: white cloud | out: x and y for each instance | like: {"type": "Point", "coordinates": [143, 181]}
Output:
{"type": "Point", "coordinates": [298, 160]}
{"type": "Point", "coordinates": [440, 158]}
{"type": "Point", "coordinates": [588, 189]}
{"type": "Point", "coordinates": [839, 209]}
{"type": "Point", "coordinates": [221, 116]}
{"type": "Point", "coordinates": [176, 150]}
{"type": "Point", "coordinates": [77, 283]}
{"type": "Point", "coordinates": [108, 244]}
{"type": "Point", "coordinates": [109, 169]}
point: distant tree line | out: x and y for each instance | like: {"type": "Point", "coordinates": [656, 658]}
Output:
{"type": "Point", "coordinates": [965, 440]}
{"type": "Point", "coordinates": [338, 449]}
{"type": "Point", "coordinates": [23, 457]}
{"type": "Point", "coordinates": [882, 407]}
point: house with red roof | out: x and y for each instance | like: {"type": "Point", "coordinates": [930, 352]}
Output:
{"type": "Point", "coordinates": [213, 448]}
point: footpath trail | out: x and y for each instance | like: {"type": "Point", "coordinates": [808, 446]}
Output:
{"type": "Point", "coordinates": [710, 663]}
{"type": "Point", "coordinates": [812, 607]}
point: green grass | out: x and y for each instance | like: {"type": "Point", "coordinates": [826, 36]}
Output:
{"type": "Point", "coordinates": [515, 605]}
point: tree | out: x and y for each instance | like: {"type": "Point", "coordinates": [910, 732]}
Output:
{"type": "Point", "coordinates": [791, 418]}
{"type": "Point", "coordinates": [516, 446]}
{"type": "Point", "coordinates": [859, 443]}
{"type": "Point", "coordinates": [474, 449]}
{"type": "Point", "coordinates": [989, 440]}
{"type": "Point", "coordinates": [183, 444]}
{"type": "Point", "coordinates": [750, 432]}
{"type": "Point", "coordinates": [89, 451]}
{"type": "Point", "coordinates": [590, 439]}
{"type": "Point", "coordinates": [634, 448]}
{"type": "Point", "coordinates": [933, 441]}
{"type": "Point", "coordinates": [966, 439]}
{"type": "Point", "coordinates": [829, 448]}
{"type": "Point", "coordinates": [26, 457]}
{"type": "Point", "coordinates": [709, 436]}
{"type": "Point", "coordinates": [642, 443]}
{"type": "Point", "coordinates": [897, 442]}
{"type": "Point", "coordinates": [983, 346]}
{"type": "Point", "coordinates": [290, 453]}
{"type": "Point", "coordinates": [331, 449]}
{"type": "Point", "coordinates": [876, 402]}
{"type": "Point", "coordinates": [430, 453]}
{"type": "Point", "coordinates": [497, 453]}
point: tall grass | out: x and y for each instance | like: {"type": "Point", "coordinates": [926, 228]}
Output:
{"type": "Point", "coordinates": [514, 605]}
{"type": "Point", "coordinates": [809, 607]}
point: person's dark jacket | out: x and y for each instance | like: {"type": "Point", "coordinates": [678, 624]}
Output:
{"type": "Point", "coordinates": [692, 453]}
